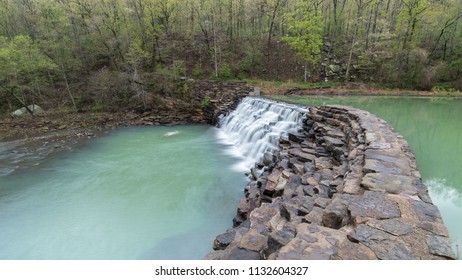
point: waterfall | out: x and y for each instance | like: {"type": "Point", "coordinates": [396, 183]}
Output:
{"type": "Point", "coordinates": [256, 126]}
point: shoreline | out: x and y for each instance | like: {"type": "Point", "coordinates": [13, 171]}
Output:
{"type": "Point", "coordinates": [349, 89]}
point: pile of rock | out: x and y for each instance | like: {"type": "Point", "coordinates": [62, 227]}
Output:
{"type": "Point", "coordinates": [205, 102]}
{"type": "Point", "coordinates": [346, 187]}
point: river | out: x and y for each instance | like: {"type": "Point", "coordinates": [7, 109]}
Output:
{"type": "Point", "coordinates": [133, 194]}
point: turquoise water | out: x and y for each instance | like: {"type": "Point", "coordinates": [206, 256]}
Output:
{"type": "Point", "coordinates": [433, 128]}
{"type": "Point", "coordinates": [134, 194]}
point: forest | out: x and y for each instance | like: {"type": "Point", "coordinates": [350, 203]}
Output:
{"type": "Point", "coordinates": [108, 54]}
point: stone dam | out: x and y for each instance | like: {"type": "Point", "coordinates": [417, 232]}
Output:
{"type": "Point", "coordinates": [343, 185]}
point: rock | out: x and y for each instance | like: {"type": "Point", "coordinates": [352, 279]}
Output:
{"type": "Point", "coordinates": [351, 185]}
{"type": "Point", "coordinates": [274, 176]}
{"type": "Point", "coordinates": [323, 163]}
{"type": "Point", "coordinates": [396, 227]}
{"type": "Point", "coordinates": [325, 174]}
{"type": "Point", "coordinates": [336, 213]}
{"type": "Point", "coordinates": [242, 254]}
{"type": "Point", "coordinates": [307, 179]}
{"type": "Point", "coordinates": [253, 241]}
{"type": "Point", "coordinates": [307, 245]}
{"type": "Point", "coordinates": [298, 168]}
{"type": "Point", "coordinates": [291, 186]}
{"type": "Point", "coordinates": [254, 198]}
{"type": "Point", "coordinates": [279, 189]}
{"type": "Point", "coordinates": [426, 212]}
{"type": "Point", "coordinates": [352, 154]}
{"type": "Point", "coordinates": [269, 189]}
{"type": "Point", "coordinates": [303, 157]}
{"type": "Point", "coordinates": [23, 111]}
{"type": "Point", "coordinates": [319, 243]}
{"type": "Point", "coordinates": [297, 138]}
{"type": "Point", "coordinates": [435, 228]}
{"type": "Point", "coordinates": [256, 91]}
{"type": "Point", "coordinates": [396, 166]}
{"type": "Point", "coordinates": [395, 184]}
{"type": "Point", "coordinates": [238, 220]}
{"type": "Point", "coordinates": [268, 159]}
{"type": "Point", "coordinates": [333, 69]}
{"type": "Point", "coordinates": [260, 217]}
{"type": "Point", "coordinates": [322, 202]}
{"type": "Point", "coordinates": [304, 204]}
{"type": "Point", "coordinates": [243, 208]}
{"type": "Point", "coordinates": [309, 190]}
{"type": "Point", "coordinates": [322, 190]}
{"type": "Point", "coordinates": [374, 205]}
{"type": "Point", "coordinates": [314, 217]}
{"type": "Point", "coordinates": [440, 246]}
{"type": "Point", "coordinates": [284, 164]}
{"type": "Point", "coordinates": [223, 240]}
{"type": "Point", "coordinates": [278, 239]}
{"type": "Point", "coordinates": [286, 174]}
{"type": "Point", "coordinates": [255, 172]}
{"type": "Point", "coordinates": [288, 212]}
{"type": "Point", "coordinates": [354, 251]}
{"type": "Point", "coordinates": [384, 245]}
{"type": "Point", "coordinates": [309, 167]}
{"type": "Point", "coordinates": [331, 141]}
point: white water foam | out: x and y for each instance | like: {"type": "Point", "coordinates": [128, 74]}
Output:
{"type": "Point", "coordinates": [256, 126]}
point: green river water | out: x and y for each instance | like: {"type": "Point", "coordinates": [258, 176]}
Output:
{"type": "Point", "coordinates": [134, 194]}
{"type": "Point", "coordinates": [433, 129]}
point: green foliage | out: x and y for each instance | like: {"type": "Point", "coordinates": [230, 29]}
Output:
{"type": "Point", "coordinates": [179, 68]}
{"type": "Point", "coordinates": [136, 56]}
{"type": "Point", "coordinates": [225, 71]}
{"type": "Point", "coordinates": [197, 71]}
{"type": "Point", "coordinates": [184, 89]}
{"type": "Point", "coordinates": [305, 30]}
{"type": "Point", "coordinates": [21, 57]}
{"type": "Point", "coordinates": [205, 102]}
{"type": "Point", "coordinates": [24, 68]}
{"type": "Point", "coordinates": [50, 49]}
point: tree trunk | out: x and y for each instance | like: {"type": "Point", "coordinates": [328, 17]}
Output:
{"type": "Point", "coordinates": [68, 88]}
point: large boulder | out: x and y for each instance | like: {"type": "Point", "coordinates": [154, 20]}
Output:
{"type": "Point", "coordinates": [35, 109]}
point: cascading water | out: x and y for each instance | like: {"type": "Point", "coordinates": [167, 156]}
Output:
{"type": "Point", "coordinates": [256, 126]}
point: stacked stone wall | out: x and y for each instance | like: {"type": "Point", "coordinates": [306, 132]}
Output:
{"type": "Point", "coordinates": [346, 187]}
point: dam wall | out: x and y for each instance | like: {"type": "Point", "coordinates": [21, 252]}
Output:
{"type": "Point", "coordinates": [342, 186]}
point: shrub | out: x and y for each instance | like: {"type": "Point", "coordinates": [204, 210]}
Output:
{"type": "Point", "coordinates": [225, 71]}
{"type": "Point", "coordinates": [205, 102]}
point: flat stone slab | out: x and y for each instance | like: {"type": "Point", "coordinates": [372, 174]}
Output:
{"type": "Point", "coordinates": [390, 183]}
{"type": "Point", "coordinates": [253, 241]}
{"type": "Point", "coordinates": [384, 245]}
{"type": "Point", "coordinates": [395, 166]}
{"type": "Point", "coordinates": [374, 205]}
{"type": "Point", "coordinates": [426, 212]}
{"type": "Point", "coordinates": [333, 141]}
{"type": "Point", "coordinates": [319, 243]}
{"type": "Point", "coordinates": [438, 245]}
{"type": "Point", "coordinates": [396, 227]}
{"type": "Point", "coordinates": [302, 156]}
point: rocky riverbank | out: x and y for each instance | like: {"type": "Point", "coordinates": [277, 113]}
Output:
{"type": "Point", "coordinates": [346, 187]}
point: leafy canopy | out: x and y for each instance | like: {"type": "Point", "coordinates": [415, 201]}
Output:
{"type": "Point", "coordinates": [305, 29]}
